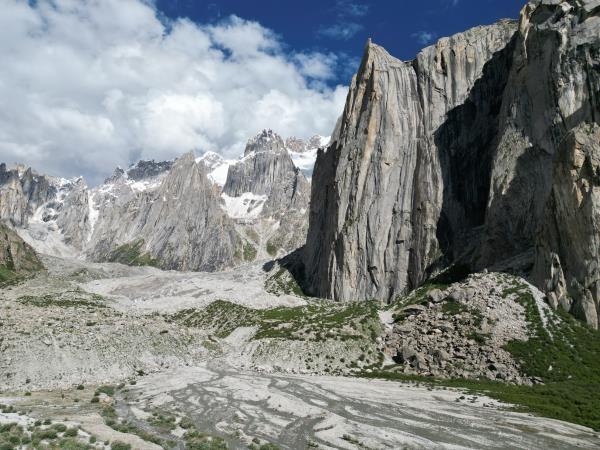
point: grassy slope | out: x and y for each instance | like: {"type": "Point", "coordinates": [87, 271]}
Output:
{"type": "Point", "coordinates": [131, 255]}
{"type": "Point", "coordinates": [314, 321]}
{"type": "Point", "coordinates": [567, 360]}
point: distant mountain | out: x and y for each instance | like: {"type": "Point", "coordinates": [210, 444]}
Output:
{"type": "Point", "coordinates": [183, 214]}
{"type": "Point", "coordinates": [265, 185]}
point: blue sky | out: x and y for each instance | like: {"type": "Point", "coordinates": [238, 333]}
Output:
{"type": "Point", "coordinates": [403, 27]}
{"type": "Point", "coordinates": [110, 82]}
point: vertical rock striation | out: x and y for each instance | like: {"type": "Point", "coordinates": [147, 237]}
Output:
{"type": "Point", "coordinates": [273, 189]}
{"type": "Point", "coordinates": [469, 154]}
{"type": "Point", "coordinates": [378, 190]}
{"type": "Point", "coordinates": [169, 217]}
{"type": "Point", "coordinates": [267, 169]}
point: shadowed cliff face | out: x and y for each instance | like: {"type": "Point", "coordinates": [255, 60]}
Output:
{"type": "Point", "coordinates": [378, 191]}
{"type": "Point", "coordinates": [451, 158]}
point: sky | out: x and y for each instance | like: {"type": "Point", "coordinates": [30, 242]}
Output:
{"type": "Point", "coordinates": [88, 85]}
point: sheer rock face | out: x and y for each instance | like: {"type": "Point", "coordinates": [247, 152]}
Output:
{"type": "Point", "coordinates": [267, 170]}
{"type": "Point", "coordinates": [378, 190]}
{"type": "Point", "coordinates": [177, 218]}
{"type": "Point", "coordinates": [569, 242]}
{"type": "Point", "coordinates": [73, 218]}
{"type": "Point", "coordinates": [21, 192]}
{"type": "Point", "coordinates": [454, 158]}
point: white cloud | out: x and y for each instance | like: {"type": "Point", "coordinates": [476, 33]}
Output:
{"type": "Point", "coordinates": [90, 84]}
{"type": "Point", "coordinates": [342, 30]}
{"type": "Point", "coordinates": [424, 37]}
{"type": "Point", "coordinates": [351, 8]}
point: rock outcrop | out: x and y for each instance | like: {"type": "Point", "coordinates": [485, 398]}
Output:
{"type": "Point", "coordinates": [451, 159]}
{"type": "Point", "coordinates": [569, 242]}
{"type": "Point", "coordinates": [266, 185]}
{"type": "Point", "coordinates": [16, 257]}
{"type": "Point", "coordinates": [378, 189]}
{"type": "Point", "coordinates": [267, 169]}
{"type": "Point", "coordinates": [169, 218]}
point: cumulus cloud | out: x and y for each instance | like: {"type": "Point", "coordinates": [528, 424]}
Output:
{"type": "Point", "coordinates": [87, 85]}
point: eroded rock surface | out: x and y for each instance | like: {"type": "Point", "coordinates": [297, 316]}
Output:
{"type": "Point", "coordinates": [452, 158]}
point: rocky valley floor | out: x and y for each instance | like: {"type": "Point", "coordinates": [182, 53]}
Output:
{"type": "Point", "coordinates": [105, 355]}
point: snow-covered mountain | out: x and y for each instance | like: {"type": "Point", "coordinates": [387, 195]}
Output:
{"type": "Point", "coordinates": [191, 213]}
{"type": "Point", "coordinates": [302, 152]}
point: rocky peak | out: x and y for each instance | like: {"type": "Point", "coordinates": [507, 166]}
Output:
{"type": "Point", "coordinates": [266, 141]}
{"type": "Point", "coordinates": [118, 174]}
{"type": "Point", "coordinates": [147, 169]}
{"type": "Point", "coordinates": [452, 159]}
{"type": "Point", "coordinates": [211, 160]}
{"type": "Point", "coordinates": [295, 144]}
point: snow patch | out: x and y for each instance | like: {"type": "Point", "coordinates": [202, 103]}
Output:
{"type": "Point", "coordinates": [144, 185]}
{"type": "Point", "coordinates": [246, 206]}
{"type": "Point", "coordinates": [217, 167]}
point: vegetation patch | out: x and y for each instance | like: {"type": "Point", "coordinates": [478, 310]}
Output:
{"type": "Point", "coordinates": [196, 440]}
{"type": "Point", "coordinates": [283, 283]}
{"type": "Point", "coordinates": [77, 298]}
{"type": "Point", "coordinates": [564, 358]}
{"type": "Point", "coordinates": [272, 248]}
{"type": "Point", "coordinates": [317, 321]}
{"type": "Point", "coordinates": [131, 254]}
{"type": "Point", "coordinates": [249, 252]}
{"type": "Point", "coordinates": [123, 426]}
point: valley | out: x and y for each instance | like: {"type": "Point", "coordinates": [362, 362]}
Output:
{"type": "Point", "coordinates": [427, 277]}
{"type": "Point", "coordinates": [233, 370]}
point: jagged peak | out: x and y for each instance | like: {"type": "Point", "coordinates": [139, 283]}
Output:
{"type": "Point", "coordinates": [149, 168]}
{"type": "Point", "coordinates": [265, 141]}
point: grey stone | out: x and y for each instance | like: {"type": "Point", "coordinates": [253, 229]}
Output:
{"type": "Point", "coordinates": [480, 152]}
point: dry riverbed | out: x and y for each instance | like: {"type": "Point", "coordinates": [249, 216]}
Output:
{"type": "Point", "coordinates": [107, 356]}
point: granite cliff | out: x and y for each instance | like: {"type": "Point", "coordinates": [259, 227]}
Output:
{"type": "Point", "coordinates": [480, 153]}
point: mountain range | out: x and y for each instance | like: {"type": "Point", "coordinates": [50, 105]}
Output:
{"type": "Point", "coordinates": [446, 235]}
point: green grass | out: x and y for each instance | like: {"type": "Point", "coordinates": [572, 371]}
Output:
{"type": "Point", "coordinates": [570, 390]}
{"type": "Point", "coordinates": [196, 440]}
{"type": "Point", "coordinates": [7, 275]}
{"type": "Point", "coordinates": [249, 252]}
{"type": "Point", "coordinates": [123, 426]}
{"type": "Point", "coordinates": [283, 283]}
{"type": "Point", "coordinates": [316, 321]}
{"type": "Point", "coordinates": [131, 255]}
{"type": "Point", "coordinates": [272, 248]}
{"type": "Point", "coordinates": [69, 299]}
